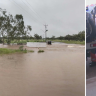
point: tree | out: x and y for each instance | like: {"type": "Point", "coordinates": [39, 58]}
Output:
{"type": "Point", "coordinates": [12, 27]}
{"type": "Point", "coordinates": [61, 38]}
{"type": "Point", "coordinates": [81, 35]}
{"type": "Point", "coordinates": [19, 24]}
{"type": "Point", "coordinates": [3, 23]}
{"type": "Point", "coordinates": [27, 31]}
{"type": "Point", "coordinates": [36, 36]}
{"type": "Point", "coordinates": [68, 37]}
{"type": "Point", "coordinates": [53, 37]}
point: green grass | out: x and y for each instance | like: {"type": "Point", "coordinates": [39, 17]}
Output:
{"type": "Point", "coordinates": [40, 51]}
{"type": "Point", "coordinates": [6, 51]}
{"type": "Point", "coordinates": [63, 41]}
{"type": "Point", "coordinates": [34, 40]}
{"type": "Point", "coordinates": [19, 42]}
{"type": "Point", "coordinates": [25, 41]}
{"type": "Point", "coordinates": [30, 51]}
{"type": "Point", "coordinates": [70, 42]}
{"type": "Point", "coordinates": [9, 51]}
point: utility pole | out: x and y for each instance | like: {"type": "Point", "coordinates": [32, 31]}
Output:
{"type": "Point", "coordinates": [45, 31]}
{"type": "Point", "coordinates": [43, 34]}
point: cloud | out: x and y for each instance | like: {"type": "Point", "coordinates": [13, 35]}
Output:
{"type": "Point", "coordinates": [63, 17]}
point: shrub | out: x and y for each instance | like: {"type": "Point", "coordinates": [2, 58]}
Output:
{"type": "Point", "coordinates": [21, 48]}
{"type": "Point", "coordinates": [40, 51]}
{"type": "Point", "coordinates": [1, 41]}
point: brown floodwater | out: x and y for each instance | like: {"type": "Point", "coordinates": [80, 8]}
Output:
{"type": "Point", "coordinates": [59, 71]}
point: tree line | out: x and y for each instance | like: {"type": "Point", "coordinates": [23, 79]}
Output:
{"type": "Point", "coordinates": [77, 37]}
{"type": "Point", "coordinates": [80, 36]}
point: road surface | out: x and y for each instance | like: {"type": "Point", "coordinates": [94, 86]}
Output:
{"type": "Point", "coordinates": [90, 79]}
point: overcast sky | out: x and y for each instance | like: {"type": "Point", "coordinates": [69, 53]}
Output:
{"type": "Point", "coordinates": [62, 16]}
{"type": "Point", "coordinates": [89, 2]}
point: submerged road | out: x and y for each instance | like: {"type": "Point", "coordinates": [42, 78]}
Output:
{"type": "Point", "coordinates": [59, 71]}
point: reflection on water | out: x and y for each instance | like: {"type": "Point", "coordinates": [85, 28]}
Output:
{"type": "Point", "coordinates": [52, 73]}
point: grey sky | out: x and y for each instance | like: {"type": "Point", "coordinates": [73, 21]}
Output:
{"type": "Point", "coordinates": [62, 16]}
{"type": "Point", "coordinates": [89, 2]}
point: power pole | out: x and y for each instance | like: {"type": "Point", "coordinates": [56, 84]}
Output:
{"type": "Point", "coordinates": [45, 31]}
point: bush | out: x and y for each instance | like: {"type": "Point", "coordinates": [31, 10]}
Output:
{"type": "Point", "coordinates": [21, 48]}
{"type": "Point", "coordinates": [40, 51]}
{"type": "Point", "coordinates": [1, 41]}
{"type": "Point", "coordinates": [31, 51]}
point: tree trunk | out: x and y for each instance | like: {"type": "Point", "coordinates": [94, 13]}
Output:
{"type": "Point", "coordinates": [3, 38]}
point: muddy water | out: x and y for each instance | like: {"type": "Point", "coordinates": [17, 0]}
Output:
{"type": "Point", "coordinates": [59, 71]}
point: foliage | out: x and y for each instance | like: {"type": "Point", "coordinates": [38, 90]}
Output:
{"type": "Point", "coordinates": [8, 51]}
{"type": "Point", "coordinates": [19, 42]}
{"type": "Point", "coordinates": [12, 27]}
{"type": "Point", "coordinates": [53, 37]}
{"type": "Point", "coordinates": [30, 51]}
{"type": "Point", "coordinates": [36, 36]}
{"type": "Point", "coordinates": [76, 37]}
{"type": "Point", "coordinates": [21, 48]}
{"type": "Point", "coordinates": [1, 41]}
{"type": "Point", "coordinates": [70, 42]}
{"type": "Point", "coordinates": [40, 51]}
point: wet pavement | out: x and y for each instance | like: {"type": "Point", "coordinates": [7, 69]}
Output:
{"type": "Point", "coordinates": [90, 79]}
{"type": "Point", "coordinates": [91, 87]}
{"type": "Point", "coordinates": [59, 71]}
{"type": "Point", "coordinates": [90, 71]}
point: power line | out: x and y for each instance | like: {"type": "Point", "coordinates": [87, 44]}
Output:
{"type": "Point", "coordinates": [34, 11]}
{"type": "Point", "coordinates": [20, 7]}
{"type": "Point", "coordinates": [37, 4]}
{"type": "Point", "coordinates": [24, 10]}
{"type": "Point", "coordinates": [27, 12]}
{"type": "Point", "coordinates": [29, 8]}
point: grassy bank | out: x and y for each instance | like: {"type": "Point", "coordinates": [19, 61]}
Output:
{"type": "Point", "coordinates": [63, 41]}
{"type": "Point", "coordinates": [34, 40]}
{"type": "Point", "coordinates": [25, 41]}
{"type": "Point", "coordinates": [9, 51]}
{"type": "Point", "coordinates": [70, 42]}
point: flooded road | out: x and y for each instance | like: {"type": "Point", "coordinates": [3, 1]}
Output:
{"type": "Point", "coordinates": [59, 71]}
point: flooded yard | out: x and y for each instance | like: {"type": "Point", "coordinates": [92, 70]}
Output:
{"type": "Point", "coordinates": [59, 71]}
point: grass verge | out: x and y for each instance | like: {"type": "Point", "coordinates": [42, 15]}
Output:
{"type": "Point", "coordinates": [9, 51]}
{"type": "Point", "coordinates": [70, 42]}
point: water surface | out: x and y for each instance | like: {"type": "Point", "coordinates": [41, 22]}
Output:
{"type": "Point", "coordinates": [59, 71]}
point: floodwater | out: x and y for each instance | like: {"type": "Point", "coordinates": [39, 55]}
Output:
{"type": "Point", "coordinates": [59, 71]}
